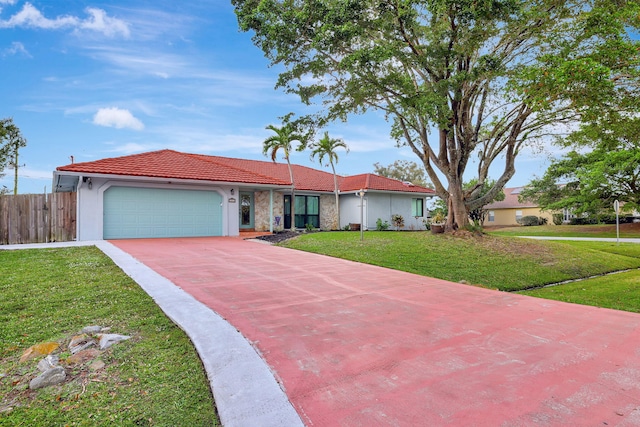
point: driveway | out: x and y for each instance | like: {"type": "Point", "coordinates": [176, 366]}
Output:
{"type": "Point", "coordinates": [359, 345]}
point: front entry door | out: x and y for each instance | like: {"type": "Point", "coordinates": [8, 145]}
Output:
{"type": "Point", "coordinates": [246, 210]}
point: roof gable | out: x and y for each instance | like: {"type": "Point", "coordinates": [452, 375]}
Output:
{"type": "Point", "coordinates": [369, 181]}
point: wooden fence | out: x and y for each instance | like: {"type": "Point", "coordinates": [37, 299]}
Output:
{"type": "Point", "coordinates": [37, 218]}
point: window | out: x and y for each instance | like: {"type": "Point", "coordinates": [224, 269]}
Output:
{"type": "Point", "coordinates": [417, 207]}
{"type": "Point", "coordinates": [518, 216]}
{"type": "Point", "coordinates": [307, 211]}
{"type": "Point", "coordinates": [492, 216]}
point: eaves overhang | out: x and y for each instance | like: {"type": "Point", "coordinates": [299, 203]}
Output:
{"type": "Point", "coordinates": [164, 180]}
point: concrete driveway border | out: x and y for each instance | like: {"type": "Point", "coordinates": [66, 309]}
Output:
{"type": "Point", "coordinates": [245, 390]}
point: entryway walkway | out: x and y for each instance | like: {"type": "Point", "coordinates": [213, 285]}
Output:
{"type": "Point", "coordinates": [359, 345]}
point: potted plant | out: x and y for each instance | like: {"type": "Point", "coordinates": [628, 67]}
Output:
{"type": "Point", "coordinates": [437, 223]}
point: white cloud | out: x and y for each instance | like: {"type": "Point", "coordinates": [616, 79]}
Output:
{"type": "Point", "coordinates": [29, 16]}
{"type": "Point", "coordinates": [17, 48]}
{"type": "Point", "coordinates": [117, 118]}
{"type": "Point", "coordinates": [98, 21]}
{"type": "Point", "coordinates": [9, 2]}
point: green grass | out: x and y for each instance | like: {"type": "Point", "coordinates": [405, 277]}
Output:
{"type": "Point", "coordinates": [153, 379]}
{"type": "Point", "coordinates": [496, 262]}
{"type": "Point", "coordinates": [600, 230]}
{"type": "Point", "coordinates": [618, 291]}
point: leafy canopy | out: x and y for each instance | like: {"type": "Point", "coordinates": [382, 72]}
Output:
{"type": "Point", "coordinates": [404, 170]}
{"type": "Point", "coordinates": [464, 82]}
{"type": "Point", "coordinates": [325, 149]}
{"type": "Point", "coordinates": [607, 168]}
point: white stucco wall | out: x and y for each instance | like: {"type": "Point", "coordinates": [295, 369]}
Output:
{"type": "Point", "coordinates": [379, 205]}
{"type": "Point", "coordinates": [90, 204]}
{"type": "Point", "coordinates": [350, 210]}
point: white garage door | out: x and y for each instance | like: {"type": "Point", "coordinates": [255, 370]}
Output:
{"type": "Point", "coordinates": [131, 212]}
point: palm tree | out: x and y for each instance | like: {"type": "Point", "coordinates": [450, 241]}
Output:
{"type": "Point", "coordinates": [283, 139]}
{"type": "Point", "coordinates": [326, 147]}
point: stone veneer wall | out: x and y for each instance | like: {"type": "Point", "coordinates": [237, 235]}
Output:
{"type": "Point", "coordinates": [261, 210]}
{"type": "Point", "coordinates": [328, 212]}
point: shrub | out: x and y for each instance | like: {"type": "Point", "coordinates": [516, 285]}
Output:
{"type": "Point", "coordinates": [382, 226]}
{"type": "Point", "coordinates": [529, 220]}
{"type": "Point", "coordinates": [583, 221]}
{"type": "Point", "coordinates": [608, 218]}
{"type": "Point", "coordinates": [543, 221]}
{"type": "Point", "coordinates": [475, 227]}
{"type": "Point", "coordinates": [398, 221]}
{"type": "Point", "coordinates": [558, 218]}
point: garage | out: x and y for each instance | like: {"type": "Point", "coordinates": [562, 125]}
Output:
{"type": "Point", "coordinates": [134, 212]}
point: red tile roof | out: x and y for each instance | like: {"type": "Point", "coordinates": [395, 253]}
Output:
{"type": "Point", "coordinates": [369, 181]}
{"type": "Point", "coordinates": [177, 165]}
{"type": "Point", "coordinates": [172, 164]}
{"type": "Point", "coordinates": [511, 200]}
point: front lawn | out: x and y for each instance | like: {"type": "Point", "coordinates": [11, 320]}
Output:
{"type": "Point", "coordinates": [619, 291]}
{"type": "Point", "coordinates": [495, 262]}
{"type": "Point", "coordinates": [153, 379]}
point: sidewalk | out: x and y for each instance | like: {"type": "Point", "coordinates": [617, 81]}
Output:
{"type": "Point", "coordinates": [584, 239]}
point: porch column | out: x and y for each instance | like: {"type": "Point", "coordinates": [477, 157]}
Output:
{"type": "Point", "coordinates": [271, 211]}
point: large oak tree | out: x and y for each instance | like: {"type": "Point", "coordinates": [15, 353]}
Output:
{"type": "Point", "coordinates": [465, 83]}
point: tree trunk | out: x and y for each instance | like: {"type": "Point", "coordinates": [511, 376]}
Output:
{"type": "Point", "coordinates": [335, 190]}
{"type": "Point", "coordinates": [293, 209]}
{"type": "Point", "coordinates": [15, 176]}
{"type": "Point", "coordinates": [458, 215]}
{"type": "Point", "coordinates": [293, 197]}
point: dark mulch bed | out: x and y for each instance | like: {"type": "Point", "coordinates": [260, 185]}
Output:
{"type": "Point", "coordinates": [279, 236]}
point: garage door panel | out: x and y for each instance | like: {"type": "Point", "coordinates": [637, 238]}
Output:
{"type": "Point", "coordinates": [131, 212]}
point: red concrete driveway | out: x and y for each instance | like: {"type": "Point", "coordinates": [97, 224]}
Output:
{"type": "Point", "coordinates": [358, 345]}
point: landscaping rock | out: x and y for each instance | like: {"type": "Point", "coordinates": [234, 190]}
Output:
{"type": "Point", "coordinates": [84, 351]}
{"type": "Point", "coordinates": [107, 340]}
{"type": "Point", "coordinates": [83, 356]}
{"type": "Point", "coordinates": [80, 342]}
{"type": "Point", "coordinates": [91, 330]}
{"type": "Point", "coordinates": [96, 365]}
{"type": "Point", "coordinates": [48, 378]}
{"type": "Point", "coordinates": [48, 362]}
{"type": "Point", "coordinates": [39, 350]}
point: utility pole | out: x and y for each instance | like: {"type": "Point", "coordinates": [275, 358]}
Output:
{"type": "Point", "coordinates": [14, 164]}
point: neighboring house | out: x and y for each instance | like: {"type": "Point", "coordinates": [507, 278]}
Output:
{"type": "Point", "coordinates": [167, 193]}
{"type": "Point", "coordinates": [510, 210]}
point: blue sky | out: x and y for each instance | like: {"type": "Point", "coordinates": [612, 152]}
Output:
{"type": "Point", "coordinates": [104, 79]}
